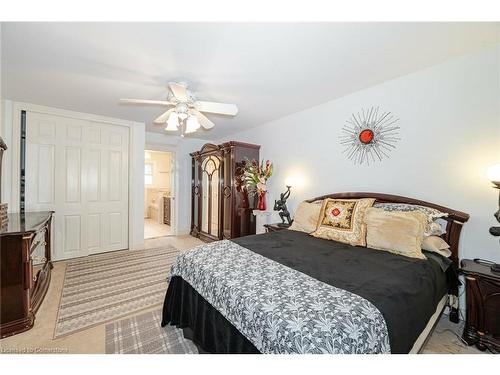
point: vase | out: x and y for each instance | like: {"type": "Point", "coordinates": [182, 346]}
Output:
{"type": "Point", "coordinates": [262, 201]}
{"type": "Point", "coordinates": [245, 203]}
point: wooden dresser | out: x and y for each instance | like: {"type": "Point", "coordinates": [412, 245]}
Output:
{"type": "Point", "coordinates": [482, 323]}
{"type": "Point", "coordinates": [25, 269]}
{"type": "Point", "coordinates": [167, 204]}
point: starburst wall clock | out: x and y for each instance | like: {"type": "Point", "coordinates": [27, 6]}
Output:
{"type": "Point", "coordinates": [369, 135]}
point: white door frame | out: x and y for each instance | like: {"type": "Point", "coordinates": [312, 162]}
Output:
{"type": "Point", "coordinates": [174, 181]}
{"type": "Point", "coordinates": [16, 155]}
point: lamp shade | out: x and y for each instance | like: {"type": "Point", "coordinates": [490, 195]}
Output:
{"type": "Point", "coordinates": [493, 173]}
{"type": "Point", "coordinates": [172, 122]}
{"type": "Point", "coordinates": [192, 124]}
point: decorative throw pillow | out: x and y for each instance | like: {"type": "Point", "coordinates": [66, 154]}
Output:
{"type": "Point", "coordinates": [306, 217]}
{"type": "Point", "coordinates": [342, 220]}
{"type": "Point", "coordinates": [437, 245]}
{"type": "Point", "coordinates": [396, 232]}
{"type": "Point", "coordinates": [432, 229]}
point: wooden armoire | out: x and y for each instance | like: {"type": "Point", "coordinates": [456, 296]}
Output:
{"type": "Point", "coordinates": [221, 207]}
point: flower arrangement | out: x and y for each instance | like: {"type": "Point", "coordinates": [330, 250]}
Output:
{"type": "Point", "coordinates": [255, 177]}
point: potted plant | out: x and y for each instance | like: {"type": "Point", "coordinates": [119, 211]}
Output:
{"type": "Point", "coordinates": [255, 178]}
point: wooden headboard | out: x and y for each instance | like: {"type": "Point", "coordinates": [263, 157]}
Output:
{"type": "Point", "coordinates": [455, 218]}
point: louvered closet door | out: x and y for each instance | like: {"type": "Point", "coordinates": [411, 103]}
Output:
{"type": "Point", "coordinates": [79, 169]}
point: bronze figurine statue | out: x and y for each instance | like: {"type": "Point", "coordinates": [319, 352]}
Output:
{"type": "Point", "coordinates": [280, 205]}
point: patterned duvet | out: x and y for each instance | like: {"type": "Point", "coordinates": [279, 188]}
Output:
{"type": "Point", "coordinates": [279, 309]}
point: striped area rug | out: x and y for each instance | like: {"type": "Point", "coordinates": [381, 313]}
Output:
{"type": "Point", "coordinates": [104, 287]}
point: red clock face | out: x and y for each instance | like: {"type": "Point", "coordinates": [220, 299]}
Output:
{"type": "Point", "coordinates": [366, 136]}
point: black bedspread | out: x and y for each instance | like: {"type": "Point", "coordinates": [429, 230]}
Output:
{"type": "Point", "coordinates": [406, 291]}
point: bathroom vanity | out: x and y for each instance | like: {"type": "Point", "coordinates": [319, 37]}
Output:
{"type": "Point", "coordinates": [167, 204]}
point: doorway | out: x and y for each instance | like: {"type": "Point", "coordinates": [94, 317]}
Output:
{"type": "Point", "coordinates": [158, 194]}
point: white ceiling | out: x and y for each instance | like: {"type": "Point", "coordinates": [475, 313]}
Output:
{"type": "Point", "coordinates": [268, 70]}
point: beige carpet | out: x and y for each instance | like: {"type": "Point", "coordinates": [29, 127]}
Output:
{"type": "Point", "coordinates": [104, 287]}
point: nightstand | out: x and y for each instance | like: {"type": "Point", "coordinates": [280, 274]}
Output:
{"type": "Point", "coordinates": [274, 227]}
{"type": "Point", "coordinates": [482, 288]}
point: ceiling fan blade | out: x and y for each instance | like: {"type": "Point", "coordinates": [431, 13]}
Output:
{"type": "Point", "coordinates": [163, 117]}
{"type": "Point", "coordinates": [203, 120]}
{"type": "Point", "coordinates": [219, 108]}
{"type": "Point", "coordinates": [144, 101]}
{"type": "Point", "coordinates": [179, 91]}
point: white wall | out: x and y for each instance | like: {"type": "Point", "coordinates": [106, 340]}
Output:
{"type": "Point", "coordinates": [450, 134]}
{"type": "Point", "coordinates": [160, 162]}
{"type": "Point", "coordinates": [1, 96]}
{"type": "Point", "coordinates": [182, 172]}
{"type": "Point", "coordinates": [137, 133]}
{"type": "Point", "coordinates": [6, 131]}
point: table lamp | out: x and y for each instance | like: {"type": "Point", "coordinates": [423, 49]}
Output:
{"type": "Point", "coordinates": [494, 176]}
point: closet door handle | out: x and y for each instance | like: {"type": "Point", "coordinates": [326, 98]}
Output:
{"type": "Point", "coordinates": [196, 190]}
{"type": "Point", "coordinates": [227, 191]}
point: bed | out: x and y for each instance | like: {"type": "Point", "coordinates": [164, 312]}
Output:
{"type": "Point", "coordinates": [289, 292]}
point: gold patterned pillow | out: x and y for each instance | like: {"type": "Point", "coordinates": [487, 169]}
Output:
{"type": "Point", "coordinates": [342, 220]}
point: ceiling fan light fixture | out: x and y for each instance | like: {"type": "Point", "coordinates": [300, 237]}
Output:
{"type": "Point", "coordinates": [192, 124]}
{"type": "Point", "coordinates": [181, 109]}
{"type": "Point", "coordinates": [185, 105]}
{"type": "Point", "coordinates": [172, 122]}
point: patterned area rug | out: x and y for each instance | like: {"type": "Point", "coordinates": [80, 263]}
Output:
{"type": "Point", "coordinates": [142, 334]}
{"type": "Point", "coordinates": [104, 287]}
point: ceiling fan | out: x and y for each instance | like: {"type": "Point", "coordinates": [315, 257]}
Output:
{"type": "Point", "coordinates": [186, 112]}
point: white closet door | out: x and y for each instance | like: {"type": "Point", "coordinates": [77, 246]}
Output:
{"type": "Point", "coordinates": [79, 169]}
